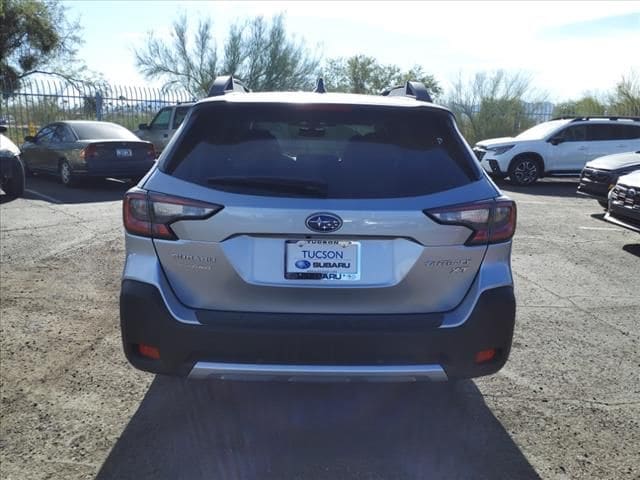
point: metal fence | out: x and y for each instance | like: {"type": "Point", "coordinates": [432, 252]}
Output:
{"type": "Point", "coordinates": [40, 101]}
{"type": "Point", "coordinates": [37, 102]}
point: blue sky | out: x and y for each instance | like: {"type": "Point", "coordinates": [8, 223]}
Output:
{"type": "Point", "coordinates": [567, 47]}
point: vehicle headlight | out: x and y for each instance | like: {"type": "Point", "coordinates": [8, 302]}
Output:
{"type": "Point", "coordinates": [501, 150]}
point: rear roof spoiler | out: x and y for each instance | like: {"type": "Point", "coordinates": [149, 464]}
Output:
{"type": "Point", "coordinates": [227, 84]}
{"type": "Point", "coordinates": [410, 89]}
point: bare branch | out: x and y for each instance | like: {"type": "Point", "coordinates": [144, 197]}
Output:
{"type": "Point", "coordinates": [493, 104]}
{"type": "Point", "coordinates": [260, 52]}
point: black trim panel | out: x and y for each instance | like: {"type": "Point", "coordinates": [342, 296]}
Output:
{"type": "Point", "coordinates": [313, 339]}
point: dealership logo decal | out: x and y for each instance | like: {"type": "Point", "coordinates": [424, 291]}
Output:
{"type": "Point", "coordinates": [303, 264]}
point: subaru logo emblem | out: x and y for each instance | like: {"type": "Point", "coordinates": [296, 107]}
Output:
{"type": "Point", "coordinates": [303, 264]}
{"type": "Point", "coordinates": [323, 222]}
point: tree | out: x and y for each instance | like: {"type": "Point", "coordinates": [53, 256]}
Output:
{"type": "Point", "coordinates": [625, 99]}
{"type": "Point", "coordinates": [492, 104]}
{"type": "Point", "coordinates": [36, 37]}
{"type": "Point", "coordinates": [258, 51]}
{"type": "Point", "coordinates": [587, 105]}
{"type": "Point", "coordinates": [364, 74]}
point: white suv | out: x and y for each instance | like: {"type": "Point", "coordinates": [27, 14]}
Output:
{"type": "Point", "coordinates": [559, 147]}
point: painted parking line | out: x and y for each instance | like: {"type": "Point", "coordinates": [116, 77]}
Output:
{"type": "Point", "coordinates": [43, 196]}
{"type": "Point", "coordinates": [609, 229]}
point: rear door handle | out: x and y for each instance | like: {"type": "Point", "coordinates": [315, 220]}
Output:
{"type": "Point", "coordinates": [582, 148]}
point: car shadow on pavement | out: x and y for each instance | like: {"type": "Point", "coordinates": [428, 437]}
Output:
{"type": "Point", "coordinates": [553, 187]}
{"type": "Point", "coordinates": [632, 248]}
{"type": "Point", "coordinates": [235, 430]}
{"type": "Point", "coordinates": [48, 188]}
{"type": "Point", "coordinates": [4, 198]}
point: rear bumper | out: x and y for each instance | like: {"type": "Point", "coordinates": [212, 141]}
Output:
{"type": "Point", "coordinates": [117, 171]}
{"type": "Point", "coordinates": [271, 345]}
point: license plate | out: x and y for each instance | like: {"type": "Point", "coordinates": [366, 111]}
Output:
{"type": "Point", "coordinates": [322, 260]}
{"type": "Point", "coordinates": [124, 152]}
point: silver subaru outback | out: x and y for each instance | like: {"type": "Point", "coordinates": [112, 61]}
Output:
{"type": "Point", "coordinates": [316, 235]}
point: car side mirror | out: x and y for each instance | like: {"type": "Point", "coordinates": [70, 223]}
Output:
{"type": "Point", "coordinates": [556, 140]}
{"type": "Point", "coordinates": [3, 129]}
{"type": "Point", "coordinates": [143, 126]}
{"type": "Point", "coordinates": [30, 139]}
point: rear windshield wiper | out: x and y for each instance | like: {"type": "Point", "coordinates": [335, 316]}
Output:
{"type": "Point", "coordinates": [274, 184]}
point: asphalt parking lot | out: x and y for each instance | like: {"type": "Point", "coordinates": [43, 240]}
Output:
{"type": "Point", "coordinates": [567, 404]}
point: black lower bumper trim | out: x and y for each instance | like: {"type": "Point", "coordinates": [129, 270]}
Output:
{"type": "Point", "coordinates": [599, 191]}
{"type": "Point", "coordinates": [265, 338]}
{"type": "Point", "coordinates": [626, 217]}
{"type": "Point", "coordinates": [495, 167]}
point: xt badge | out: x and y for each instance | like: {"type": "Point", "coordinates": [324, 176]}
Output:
{"type": "Point", "coordinates": [458, 270]}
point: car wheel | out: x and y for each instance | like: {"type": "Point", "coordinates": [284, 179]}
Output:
{"type": "Point", "coordinates": [604, 204]}
{"type": "Point", "coordinates": [66, 174]}
{"type": "Point", "coordinates": [524, 171]}
{"type": "Point", "coordinates": [14, 187]}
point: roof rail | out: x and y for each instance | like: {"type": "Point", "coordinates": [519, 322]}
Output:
{"type": "Point", "coordinates": [227, 84]}
{"type": "Point", "coordinates": [320, 88]}
{"type": "Point", "coordinates": [579, 118]}
{"type": "Point", "coordinates": [416, 90]}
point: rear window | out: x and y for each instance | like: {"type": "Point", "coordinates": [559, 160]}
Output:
{"type": "Point", "coordinates": [96, 131]}
{"type": "Point", "coordinates": [328, 151]}
{"type": "Point", "coordinates": [626, 132]}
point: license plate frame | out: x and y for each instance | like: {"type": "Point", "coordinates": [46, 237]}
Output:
{"type": "Point", "coordinates": [327, 259]}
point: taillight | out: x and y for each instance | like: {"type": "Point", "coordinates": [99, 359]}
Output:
{"type": "Point", "coordinates": [150, 214]}
{"type": "Point", "coordinates": [491, 222]}
{"type": "Point", "coordinates": [88, 152]}
{"type": "Point", "coordinates": [151, 152]}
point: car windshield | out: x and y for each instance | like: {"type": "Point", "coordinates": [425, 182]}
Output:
{"type": "Point", "coordinates": [98, 130]}
{"type": "Point", "coordinates": [352, 151]}
{"type": "Point", "coordinates": [541, 130]}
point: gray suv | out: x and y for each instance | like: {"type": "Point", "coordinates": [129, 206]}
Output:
{"type": "Point", "coordinates": [317, 235]}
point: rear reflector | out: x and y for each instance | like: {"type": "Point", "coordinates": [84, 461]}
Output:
{"type": "Point", "coordinates": [485, 356]}
{"type": "Point", "coordinates": [149, 351]}
{"type": "Point", "coordinates": [491, 222]}
{"type": "Point", "coordinates": [151, 214]}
